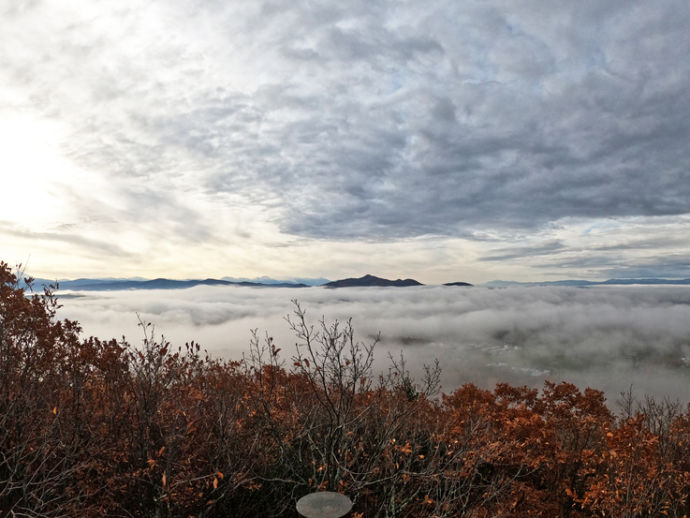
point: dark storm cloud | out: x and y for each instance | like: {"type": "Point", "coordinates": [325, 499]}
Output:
{"type": "Point", "coordinates": [381, 120]}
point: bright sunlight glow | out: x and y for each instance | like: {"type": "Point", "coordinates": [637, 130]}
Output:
{"type": "Point", "coordinates": [32, 171]}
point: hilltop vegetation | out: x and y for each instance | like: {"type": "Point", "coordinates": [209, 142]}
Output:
{"type": "Point", "coordinates": [92, 427]}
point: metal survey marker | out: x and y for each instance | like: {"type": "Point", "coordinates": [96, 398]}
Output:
{"type": "Point", "coordinates": [325, 504]}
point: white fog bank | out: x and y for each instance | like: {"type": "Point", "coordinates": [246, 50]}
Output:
{"type": "Point", "coordinates": [604, 337]}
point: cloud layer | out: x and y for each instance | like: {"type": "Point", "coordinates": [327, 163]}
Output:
{"type": "Point", "coordinates": [227, 130]}
{"type": "Point", "coordinates": [604, 337]}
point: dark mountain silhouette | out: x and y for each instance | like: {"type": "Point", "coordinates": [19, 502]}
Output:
{"type": "Point", "coordinates": [153, 284]}
{"type": "Point", "coordinates": [371, 280]}
{"type": "Point", "coordinates": [458, 283]}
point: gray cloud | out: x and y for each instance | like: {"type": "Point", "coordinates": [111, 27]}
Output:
{"type": "Point", "coordinates": [672, 266]}
{"type": "Point", "coordinates": [503, 254]}
{"type": "Point", "coordinates": [375, 120]}
{"type": "Point", "coordinates": [97, 245]}
{"type": "Point", "coordinates": [605, 337]}
{"type": "Point", "coordinates": [659, 264]}
{"type": "Point", "coordinates": [232, 130]}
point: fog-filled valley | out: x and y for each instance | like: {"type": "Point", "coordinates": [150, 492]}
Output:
{"type": "Point", "coordinates": [608, 338]}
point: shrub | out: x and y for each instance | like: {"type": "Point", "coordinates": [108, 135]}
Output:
{"type": "Point", "coordinates": [103, 428]}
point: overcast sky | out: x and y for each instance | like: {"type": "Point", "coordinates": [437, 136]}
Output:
{"type": "Point", "coordinates": [441, 140]}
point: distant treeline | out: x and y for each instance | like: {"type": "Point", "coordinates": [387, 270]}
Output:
{"type": "Point", "coordinates": [94, 428]}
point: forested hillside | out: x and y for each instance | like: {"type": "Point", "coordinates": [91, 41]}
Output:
{"type": "Point", "coordinates": [92, 427]}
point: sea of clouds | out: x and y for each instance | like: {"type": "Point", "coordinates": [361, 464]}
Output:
{"type": "Point", "coordinates": [609, 338]}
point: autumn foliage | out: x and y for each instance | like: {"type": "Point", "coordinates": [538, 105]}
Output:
{"type": "Point", "coordinates": [103, 428]}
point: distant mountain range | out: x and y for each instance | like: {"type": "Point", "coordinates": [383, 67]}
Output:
{"type": "Point", "coordinates": [155, 284]}
{"type": "Point", "coordinates": [309, 281]}
{"type": "Point", "coordinates": [109, 284]}
{"type": "Point", "coordinates": [578, 282]}
{"type": "Point", "coordinates": [137, 283]}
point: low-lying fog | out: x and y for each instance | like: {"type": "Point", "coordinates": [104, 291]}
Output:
{"type": "Point", "coordinates": [604, 337]}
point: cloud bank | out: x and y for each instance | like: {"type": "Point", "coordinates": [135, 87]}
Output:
{"type": "Point", "coordinates": [605, 337]}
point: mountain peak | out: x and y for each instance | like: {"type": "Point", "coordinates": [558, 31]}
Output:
{"type": "Point", "coordinates": [371, 280]}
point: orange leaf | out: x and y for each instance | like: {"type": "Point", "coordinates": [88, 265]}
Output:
{"type": "Point", "coordinates": [215, 483]}
{"type": "Point", "coordinates": [219, 474]}
{"type": "Point", "coordinates": [163, 479]}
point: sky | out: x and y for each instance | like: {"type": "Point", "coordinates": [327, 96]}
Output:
{"type": "Point", "coordinates": [608, 337]}
{"type": "Point", "coordinates": [439, 140]}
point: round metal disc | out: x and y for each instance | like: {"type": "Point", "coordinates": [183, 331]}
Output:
{"type": "Point", "coordinates": [325, 504]}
